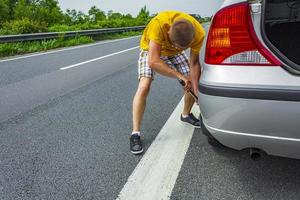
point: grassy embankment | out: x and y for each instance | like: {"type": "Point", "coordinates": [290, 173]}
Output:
{"type": "Point", "coordinates": [11, 49]}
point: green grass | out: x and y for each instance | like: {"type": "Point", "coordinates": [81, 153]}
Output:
{"type": "Point", "coordinates": [118, 35]}
{"type": "Point", "coordinates": [12, 49]}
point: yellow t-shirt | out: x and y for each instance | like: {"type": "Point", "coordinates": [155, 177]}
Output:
{"type": "Point", "coordinates": [157, 31]}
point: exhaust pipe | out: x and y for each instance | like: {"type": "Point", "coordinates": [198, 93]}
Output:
{"type": "Point", "coordinates": [255, 154]}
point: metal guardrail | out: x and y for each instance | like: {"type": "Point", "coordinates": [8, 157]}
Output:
{"type": "Point", "coordinates": [54, 35]}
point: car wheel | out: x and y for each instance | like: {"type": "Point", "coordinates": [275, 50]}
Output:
{"type": "Point", "coordinates": [210, 139]}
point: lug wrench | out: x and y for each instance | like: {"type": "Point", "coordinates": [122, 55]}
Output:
{"type": "Point", "coordinates": [189, 91]}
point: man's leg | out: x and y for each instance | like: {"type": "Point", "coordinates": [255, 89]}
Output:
{"type": "Point", "coordinates": [139, 102]}
{"type": "Point", "coordinates": [188, 104]}
{"type": "Point", "coordinates": [187, 116]}
{"type": "Point", "coordinates": [138, 108]}
{"type": "Point", "coordinates": [181, 63]}
{"type": "Point", "coordinates": [146, 75]}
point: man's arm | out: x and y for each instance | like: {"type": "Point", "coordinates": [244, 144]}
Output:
{"type": "Point", "coordinates": [195, 71]}
{"type": "Point", "coordinates": [159, 66]}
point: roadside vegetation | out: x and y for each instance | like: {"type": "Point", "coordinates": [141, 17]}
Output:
{"type": "Point", "coordinates": [36, 16]}
{"type": "Point", "coordinates": [18, 48]}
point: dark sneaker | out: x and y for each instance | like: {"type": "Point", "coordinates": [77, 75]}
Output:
{"type": "Point", "coordinates": [191, 119]}
{"type": "Point", "coordinates": [136, 146]}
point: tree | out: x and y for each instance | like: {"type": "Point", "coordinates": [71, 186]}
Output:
{"type": "Point", "coordinates": [12, 4]}
{"type": "Point", "coordinates": [96, 14]}
{"type": "Point", "coordinates": [81, 18]}
{"type": "Point", "coordinates": [72, 15]}
{"type": "Point", "coordinates": [4, 11]}
{"type": "Point", "coordinates": [109, 13]}
{"type": "Point", "coordinates": [23, 9]}
{"type": "Point", "coordinates": [77, 17]}
{"type": "Point", "coordinates": [127, 16]}
{"type": "Point", "coordinates": [144, 14]}
{"type": "Point", "coordinates": [197, 17]}
{"type": "Point", "coordinates": [114, 15]}
{"type": "Point", "coordinates": [47, 11]}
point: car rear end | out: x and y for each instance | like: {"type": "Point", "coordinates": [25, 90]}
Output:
{"type": "Point", "coordinates": [249, 88]}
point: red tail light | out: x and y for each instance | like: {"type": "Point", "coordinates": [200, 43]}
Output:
{"type": "Point", "coordinates": [232, 39]}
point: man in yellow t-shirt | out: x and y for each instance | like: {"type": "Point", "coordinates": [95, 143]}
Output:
{"type": "Point", "coordinates": [162, 50]}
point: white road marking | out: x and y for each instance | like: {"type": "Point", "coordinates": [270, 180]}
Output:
{"type": "Point", "coordinates": [66, 49]}
{"type": "Point", "coordinates": [156, 174]}
{"type": "Point", "coordinates": [99, 58]}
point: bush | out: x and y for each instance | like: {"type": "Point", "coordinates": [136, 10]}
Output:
{"type": "Point", "coordinates": [9, 49]}
{"type": "Point", "coordinates": [25, 25]}
{"type": "Point", "coordinates": [59, 28]}
{"type": "Point", "coordinates": [21, 26]}
{"type": "Point", "coordinates": [78, 40]}
{"type": "Point", "coordinates": [77, 27]}
{"type": "Point", "coordinates": [116, 23]}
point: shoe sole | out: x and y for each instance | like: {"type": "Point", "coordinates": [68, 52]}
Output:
{"type": "Point", "coordinates": [191, 124]}
{"type": "Point", "coordinates": [137, 152]}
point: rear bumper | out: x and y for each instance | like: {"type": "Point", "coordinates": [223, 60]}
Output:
{"type": "Point", "coordinates": [241, 118]}
{"type": "Point", "coordinates": [251, 93]}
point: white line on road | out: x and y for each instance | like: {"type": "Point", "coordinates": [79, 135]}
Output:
{"type": "Point", "coordinates": [66, 49]}
{"type": "Point", "coordinates": [156, 174]}
{"type": "Point", "coordinates": [95, 59]}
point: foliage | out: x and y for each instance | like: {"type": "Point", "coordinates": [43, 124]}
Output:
{"type": "Point", "coordinates": [23, 10]}
{"type": "Point", "coordinates": [4, 10]}
{"type": "Point", "coordinates": [95, 14]}
{"type": "Point", "coordinates": [46, 11]}
{"type": "Point", "coordinates": [117, 35]}
{"type": "Point", "coordinates": [114, 15]}
{"type": "Point", "coordinates": [144, 14]}
{"type": "Point", "coordinates": [21, 26]}
{"type": "Point", "coordinates": [31, 16]}
{"type": "Point", "coordinates": [9, 49]}
{"type": "Point", "coordinates": [201, 19]}
{"type": "Point", "coordinates": [75, 17]}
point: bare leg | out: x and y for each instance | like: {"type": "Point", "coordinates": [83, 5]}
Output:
{"type": "Point", "coordinates": [139, 102]}
{"type": "Point", "coordinates": [188, 103]}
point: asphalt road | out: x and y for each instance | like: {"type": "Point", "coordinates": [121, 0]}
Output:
{"type": "Point", "coordinates": [23, 69]}
{"type": "Point", "coordinates": [76, 146]}
{"type": "Point", "coordinates": [41, 85]}
{"type": "Point", "coordinates": [225, 174]}
{"type": "Point", "coordinates": [64, 133]}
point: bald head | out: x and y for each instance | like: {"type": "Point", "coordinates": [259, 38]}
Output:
{"type": "Point", "coordinates": [182, 32]}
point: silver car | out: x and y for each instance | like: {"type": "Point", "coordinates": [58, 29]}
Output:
{"type": "Point", "coordinates": [250, 84]}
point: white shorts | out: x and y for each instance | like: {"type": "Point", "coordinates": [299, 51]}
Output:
{"type": "Point", "coordinates": [177, 62]}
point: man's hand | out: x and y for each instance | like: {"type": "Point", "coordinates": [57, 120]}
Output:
{"type": "Point", "coordinates": [186, 83]}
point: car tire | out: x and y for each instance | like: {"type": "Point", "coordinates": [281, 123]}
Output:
{"type": "Point", "coordinates": [210, 139]}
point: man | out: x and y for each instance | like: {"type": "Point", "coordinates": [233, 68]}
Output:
{"type": "Point", "coordinates": [162, 50]}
